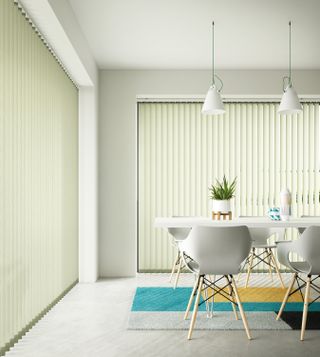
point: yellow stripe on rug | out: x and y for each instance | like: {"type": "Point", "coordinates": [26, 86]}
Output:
{"type": "Point", "coordinates": [259, 295]}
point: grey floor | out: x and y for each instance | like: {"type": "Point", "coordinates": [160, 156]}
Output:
{"type": "Point", "coordinates": [91, 321]}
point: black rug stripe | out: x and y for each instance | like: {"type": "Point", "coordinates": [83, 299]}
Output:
{"type": "Point", "coordinates": [294, 319]}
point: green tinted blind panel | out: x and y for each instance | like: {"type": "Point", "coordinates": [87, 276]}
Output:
{"type": "Point", "coordinates": [182, 152]}
{"type": "Point", "coordinates": [38, 175]}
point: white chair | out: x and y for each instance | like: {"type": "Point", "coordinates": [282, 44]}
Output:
{"type": "Point", "coordinates": [307, 247]}
{"type": "Point", "coordinates": [178, 235]}
{"type": "Point", "coordinates": [261, 250]}
{"type": "Point", "coordinates": [316, 218]}
{"type": "Point", "coordinates": [216, 251]}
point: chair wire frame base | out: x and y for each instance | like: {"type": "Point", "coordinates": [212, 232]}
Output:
{"type": "Point", "coordinates": [267, 257]}
{"type": "Point", "coordinates": [301, 284]}
{"type": "Point", "coordinates": [229, 291]}
{"type": "Point", "coordinates": [178, 265]}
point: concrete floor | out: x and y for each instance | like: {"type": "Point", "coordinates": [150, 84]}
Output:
{"type": "Point", "coordinates": [91, 321]}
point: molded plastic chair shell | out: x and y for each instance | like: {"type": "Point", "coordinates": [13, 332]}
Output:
{"type": "Point", "coordinates": [307, 247]}
{"type": "Point", "coordinates": [217, 250]}
{"type": "Point", "coordinates": [315, 218]}
{"type": "Point", "coordinates": [179, 234]}
{"type": "Point", "coordinates": [261, 235]}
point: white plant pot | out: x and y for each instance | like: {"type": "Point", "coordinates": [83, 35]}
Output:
{"type": "Point", "coordinates": [222, 206]}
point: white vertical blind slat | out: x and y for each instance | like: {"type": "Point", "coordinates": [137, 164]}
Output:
{"type": "Point", "coordinates": [38, 175]}
{"type": "Point", "coordinates": [183, 152]}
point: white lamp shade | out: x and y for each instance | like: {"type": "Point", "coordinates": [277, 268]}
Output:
{"type": "Point", "coordinates": [290, 103]}
{"type": "Point", "coordinates": [213, 102]}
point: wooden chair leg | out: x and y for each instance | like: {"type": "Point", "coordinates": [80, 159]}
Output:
{"type": "Point", "coordinates": [205, 298]}
{"type": "Point", "coordinates": [209, 308]}
{"type": "Point", "coordinates": [305, 308]}
{"type": "Point", "coordinates": [195, 308]}
{"type": "Point", "coordinates": [285, 299]}
{"type": "Point", "coordinates": [249, 268]}
{"type": "Point", "coordinates": [277, 269]}
{"type": "Point", "coordinates": [268, 252]}
{"type": "Point", "coordinates": [241, 271]}
{"type": "Point", "coordinates": [191, 297]}
{"type": "Point", "coordinates": [212, 279]}
{"type": "Point", "coordinates": [232, 298]}
{"type": "Point", "coordinates": [174, 265]}
{"type": "Point", "coordinates": [178, 274]}
{"type": "Point", "coordinates": [243, 316]}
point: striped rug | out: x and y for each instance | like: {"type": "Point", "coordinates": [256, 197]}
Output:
{"type": "Point", "coordinates": [163, 307]}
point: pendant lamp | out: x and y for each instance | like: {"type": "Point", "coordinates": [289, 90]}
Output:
{"type": "Point", "coordinates": [290, 103]}
{"type": "Point", "coordinates": [213, 102]}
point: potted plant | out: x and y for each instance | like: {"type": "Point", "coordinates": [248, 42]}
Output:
{"type": "Point", "coordinates": [221, 194]}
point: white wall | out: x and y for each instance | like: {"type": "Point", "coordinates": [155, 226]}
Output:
{"type": "Point", "coordinates": [88, 172]}
{"type": "Point", "coordinates": [117, 143]}
{"type": "Point", "coordinates": [59, 26]}
{"type": "Point", "coordinates": [88, 118]}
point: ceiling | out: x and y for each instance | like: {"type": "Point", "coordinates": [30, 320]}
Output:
{"type": "Point", "coordinates": [176, 34]}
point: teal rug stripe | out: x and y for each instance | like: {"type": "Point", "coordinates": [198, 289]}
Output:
{"type": "Point", "coordinates": [169, 299]}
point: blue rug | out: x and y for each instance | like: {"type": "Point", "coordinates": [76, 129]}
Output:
{"type": "Point", "coordinates": [169, 299]}
{"type": "Point", "coordinates": [162, 308]}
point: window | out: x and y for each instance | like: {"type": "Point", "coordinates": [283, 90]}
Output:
{"type": "Point", "coordinates": [181, 153]}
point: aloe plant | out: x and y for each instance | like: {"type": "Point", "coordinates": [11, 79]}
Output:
{"type": "Point", "coordinates": [223, 190]}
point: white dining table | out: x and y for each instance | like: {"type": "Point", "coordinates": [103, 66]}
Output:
{"type": "Point", "coordinates": [251, 222]}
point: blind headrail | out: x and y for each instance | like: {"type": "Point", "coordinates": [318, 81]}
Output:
{"type": "Point", "coordinates": [199, 98]}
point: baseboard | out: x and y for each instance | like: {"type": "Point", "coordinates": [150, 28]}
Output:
{"type": "Point", "coordinates": [158, 271]}
{"type": "Point", "coordinates": [21, 333]}
{"type": "Point", "coordinates": [165, 271]}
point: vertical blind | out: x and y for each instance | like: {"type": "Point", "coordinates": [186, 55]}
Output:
{"type": "Point", "coordinates": [38, 176]}
{"type": "Point", "coordinates": [181, 153]}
